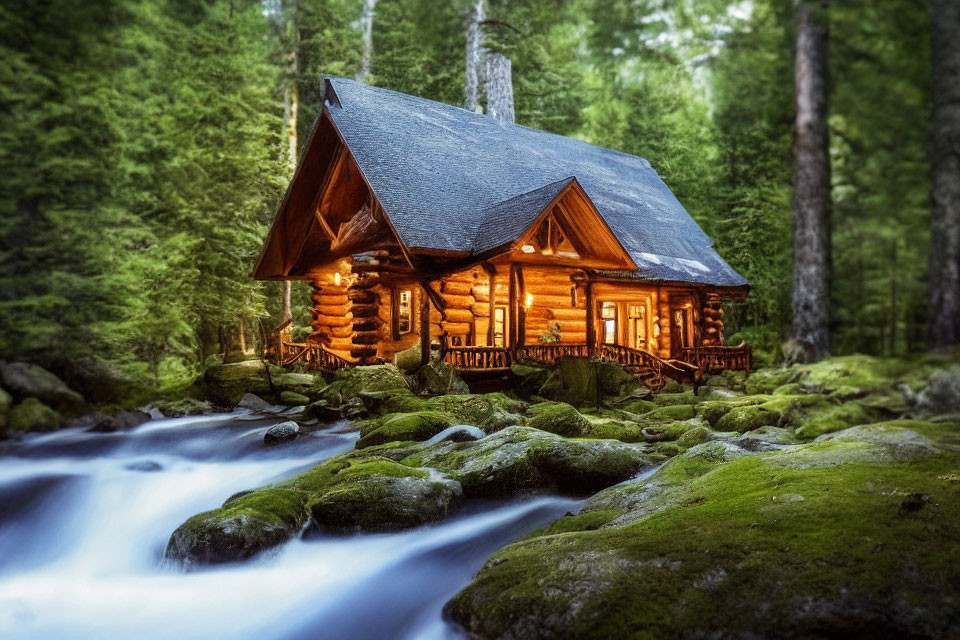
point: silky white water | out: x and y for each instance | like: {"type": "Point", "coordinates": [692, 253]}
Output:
{"type": "Point", "coordinates": [85, 518]}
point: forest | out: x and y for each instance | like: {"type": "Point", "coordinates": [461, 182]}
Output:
{"type": "Point", "coordinates": [145, 146]}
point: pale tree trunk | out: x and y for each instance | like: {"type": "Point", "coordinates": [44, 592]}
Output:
{"type": "Point", "coordinates": [498, 86]}
{"type": "Point", "coordinates": [291, 106]}
{"type": "Point", "coordinates": [811, 207]}
{"type": "Point", "coordinates": [944, 265]}
{"type": "Point", "coordinates": [366, 22]}
{"type": "Point", "coordinates": [474, 56]}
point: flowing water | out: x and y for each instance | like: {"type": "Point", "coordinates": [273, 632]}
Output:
{"type": "Point", "coordinates": [85, 518]}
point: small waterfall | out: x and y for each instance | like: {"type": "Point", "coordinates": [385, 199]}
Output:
{"type": "Point", "coordinates": [86, 517]}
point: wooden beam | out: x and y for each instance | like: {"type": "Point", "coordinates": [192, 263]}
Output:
{"type": "Point", "coordinates": [512, 306]}
{"type": "Point", "coordinates": [424, 330]}
{"type": "Point", "coordinates": [521, 308]}
{"type": "Point", "coordinates": [492, 280]}
{"type": "Point", "coordinates": [591, 329]}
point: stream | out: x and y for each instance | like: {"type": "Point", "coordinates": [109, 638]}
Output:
{"type": "Point", "coordinates": [85, 518]}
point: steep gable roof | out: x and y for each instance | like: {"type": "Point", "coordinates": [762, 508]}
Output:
{"type": "Point", "coordinates": [454, 181]}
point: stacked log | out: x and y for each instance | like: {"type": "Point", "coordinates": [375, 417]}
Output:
{"type": "Point", "coordinates": [332, 323]}
{"type": "Point", "coordinates": [712, 323]}
{"type": "Point", "coordinates": [365, 310]}
{"type": "Point", "coordinates": [457, 291]}
{"type": "Point", "coordinates": [552, 304]}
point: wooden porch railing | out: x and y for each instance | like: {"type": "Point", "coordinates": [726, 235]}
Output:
{"type": "Point", "coordinates": [311, 355]}
{"type": "Point", "coordinates": [551, 352]}
{"type": "Point", "coordinates": [478, 357]}
{"type": "Point", "coordinates": [650, 365]}
{"type": "Point", "coordinates": [739, 358]}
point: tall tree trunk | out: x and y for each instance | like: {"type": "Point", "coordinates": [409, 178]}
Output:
{"type": "Point", "coordinates": [944, 265]}
{"type": "Point", "coordinates": [366, 22]}
{"type": "Point", "coordinates": [811, 208]}
{"type": "Point", "coordinates": [498, 86]}
{"type": "Point", "coordinates": [474, 56]}
{"type": "Point", "coordinates": [291, 107]}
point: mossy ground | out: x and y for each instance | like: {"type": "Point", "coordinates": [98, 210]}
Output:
{"type": "Point", "coordinates": [747, 546]}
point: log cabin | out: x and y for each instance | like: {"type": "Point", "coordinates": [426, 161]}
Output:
{"type": "Point", "coordinates": [417, 222]}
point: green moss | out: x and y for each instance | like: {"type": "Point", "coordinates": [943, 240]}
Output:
{"type": "Point", "coordinates": [579, 522]}
{"type": "Point", "coordinates": [293, 398]}
{"type": "Point", "coordinates": [467, 409]}
{"type": "Point", "coordinates": [672, 412]}
{"type": "Point", "coordinates": [348, 383]}
{"type": "Point", "coordinates": [813, 421]}
{"type": "Point", "coordinates": [559, 418]}
{"type": "Point", "coordinates": [670, 399]}
{"type": "Point", "coordinates": [748, 548]}
{"type": "Point", "coordinates": [33, 415]}
{"type": "Point", "coordinates": [638, 406]}
{"type": "Point", "coordinates": [613, 429]}
{"type": "Point", "coordinates": [400, 427]}
{"type": "Point", "coordinates": [713, 410]}
{"type": "Point", "coordinates": [695, 436]}
{"type": "Point", "coordinates": [788, 389]}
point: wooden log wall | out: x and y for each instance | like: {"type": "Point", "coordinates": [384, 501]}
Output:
{"type": "Point", "coordinates": [552, 303]}
{"type": "Point", "coordinates": [712, 332]}
{"type": "Point", "coordinates": [332, 324]}
{"type": "Point", "coordinates": [365, 309]}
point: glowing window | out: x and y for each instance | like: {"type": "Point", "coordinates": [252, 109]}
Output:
{"type": "Point", "coordinates": [404, 307]}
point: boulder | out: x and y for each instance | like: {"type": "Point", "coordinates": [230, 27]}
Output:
{"type": "Point", "coordinates": [345, 493]}
{"type": "Point", "coordinates": [33, 415]}
{"type": "Point", "coordinates": [283, 432]}
{"type": "Point", "coordinates": [386, 502]}
{"type": "Point", "coordinates": [520, 460]}
{"type": "Point", "coordinates": [438, 377]}
{"type": "Point", "coordinates": [530, 378]}
{"type": "Point", "coordinates": [322, 411]}
{"type": "Point", "coordinates": [253, 403]}
{"type": "Point", "coordinates": [348, 383]}
{"type": "Point", "coordinates": [113, 420]}
{"type": "Point", "coordinates": [722, 542]}
{"type": "Point", "coordinates": [6, 401]}
{"type": "Point", "coordinates": [559, 418]}
{"type": "Point", "coordinates": [242, 528]}
{"type": "Point", "coordinates": [408, 360]}
{"type": "Point", "coordinates": [457, 433]}
{"type": "Point", "coordinates": [226, 384]}
{"type": "Point", "coordinates": [24, 380]}
{"type": "Point", "coordinates": [418, 426]}
{"type": "Point", "coordinates": [293, 398]}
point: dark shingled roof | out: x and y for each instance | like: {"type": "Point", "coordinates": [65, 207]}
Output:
{"type": "Point", "coordinates": [505, 221]}
{"type": "Point", "coordinates": [449, 178]}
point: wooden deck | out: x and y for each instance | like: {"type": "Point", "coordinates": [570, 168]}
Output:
{"type": "Point", "coordinates": [651, 369]}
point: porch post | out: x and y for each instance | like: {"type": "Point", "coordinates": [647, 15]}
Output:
{"type": "Point", "coordinates": [492, 284]}
{"type": "Point", "coordinates": [512, 295]}
{"type": "Point", "coordinates": [424, 329]}
{"type": "Point", "coordinates": [591, 331]}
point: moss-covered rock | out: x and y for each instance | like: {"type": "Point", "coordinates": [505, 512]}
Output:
{"type": "Point", "coordinates": [438, 377]}
{"type": "Point", "coordinates": [559, 418]}
{"type": "Point", "coordinates": [826, 417]}
{"type": "Point", "coordinates": [242, 528]}
{"type": "Point", "coordinates": [6, 401]}
{"type": "Point", "coordinates": [408, 360]}
{"type": "Point", "coordinates": [33, 415]}
{"type": "Point", "coordinates": [293, 398]}
{"type": "Point", "coordinates": [530, 377]}
{"type": "Point", "coordinates": [348, 383]}
{"type": "Point", "coordinates": [721, 542]}
{"type": "Point", "coordinates": [519, 460]}
{"type": "Point", "coordinates": [714, 409]}
{"type": "Point", "coordinates": [25, 380]}
{"type": "Point", "coordinates": [638, 407]}
{"type": "Point", "coordinates": [386, 502]}
{"type": "Point", "coordinates": [226, 384]}
{"type": "Point", "coordinates": [672, 399]}
{"type": "Point", "coordinates": [606, 427]}
{"type": "Point", "coordinates": [670, 412]}
{"type": "Point", "coordinates": [418, 426]}
{"type": "Point", "coordinates": [348, 493]}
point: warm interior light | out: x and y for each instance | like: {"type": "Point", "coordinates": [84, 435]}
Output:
{"type": "Point", "coordinates": [336, 279]}
{"type": "Point", "coordinates": [529, 299]}
{"type": "Point", "coordinates": [527, 248]}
